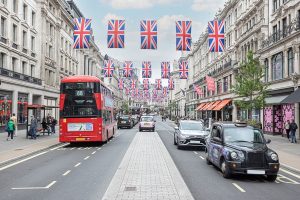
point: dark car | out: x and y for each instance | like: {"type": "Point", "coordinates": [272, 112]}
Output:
{"type": "Point", "coordinates": [125, 121]}
{"type": "Point", "coordinates": [236, 148]}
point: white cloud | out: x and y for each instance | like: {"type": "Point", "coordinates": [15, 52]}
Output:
{"type": "Point", "coordinates": [207, 5]}
{"type": "Point", "coordinates": [110, 16]}
{"type": "Point", "coordinates": [136, 4]}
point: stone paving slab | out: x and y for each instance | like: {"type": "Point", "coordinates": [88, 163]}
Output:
{"type": "Point", "coordinates": [147, 171]}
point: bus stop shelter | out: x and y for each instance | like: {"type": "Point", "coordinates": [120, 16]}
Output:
{"type": "Point", "coordinates": [39, 112]}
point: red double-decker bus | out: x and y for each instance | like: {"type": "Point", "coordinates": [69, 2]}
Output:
{"type": "Point", "coordinates": [86, 110]}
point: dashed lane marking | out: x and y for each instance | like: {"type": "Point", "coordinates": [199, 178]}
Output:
{"type": "Point", "coordinates": [98, 148]}
{"type": "Point", "coordinates": [58, 147]}
{"type": "Point", "coordinates": [66, 173]}
{"type": "Point", "coordinates": [86, 158]}
{"type": "Point", "coordinates": [72, 148]}
{"type": "Point", "coordinates": [77, 164]}
{"type": "Point", "coordinates": [94, 152]}
{"type": "Point", "coordinates": [195, 152]}
{"type": "Point", "coordinates": [238, 187]}
{"type": "Point", "coordinates": [201, 157]}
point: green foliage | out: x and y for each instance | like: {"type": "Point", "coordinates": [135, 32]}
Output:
{"type": "Point", "coordinates": [125, 107]}
{"type": "Point", "coordinates": [249, 85]}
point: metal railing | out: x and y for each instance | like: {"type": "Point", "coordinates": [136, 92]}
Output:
{"type": "Point", "coordinates": [19, 76]}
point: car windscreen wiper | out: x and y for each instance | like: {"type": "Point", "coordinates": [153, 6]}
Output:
{"type": "Point", "coordinates": [246, 141]}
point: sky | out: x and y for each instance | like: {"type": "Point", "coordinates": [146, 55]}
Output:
{"type": "Point", "coordinates": [166, 12]}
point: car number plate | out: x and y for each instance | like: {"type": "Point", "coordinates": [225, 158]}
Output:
{"type": "Point", "coordinates": [194, 142]}
{"type": "Point", "coordinates": [123, 122]}
{"type": "Point", "coordinates": [147, 124]}
{"type": "Point", "coordinates": [256, 172]}
{"type": "Point", "coordinates": [80, 139]}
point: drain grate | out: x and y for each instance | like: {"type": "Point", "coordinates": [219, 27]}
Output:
{"type": "Point", "coordinates": [128, 189]}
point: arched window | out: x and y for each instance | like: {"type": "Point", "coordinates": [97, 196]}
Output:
{"type": "Point", "coordinates": [290, 61]}
{"type": "Point", "coordinates": [277, 66]}
{"type": "Point", "coordinates": [266, 70]}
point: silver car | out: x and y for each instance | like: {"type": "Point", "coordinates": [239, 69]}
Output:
{"type": "Point", "coordinates": [147, 123]}
{"type": "Point", "coordinates": [190, 133]}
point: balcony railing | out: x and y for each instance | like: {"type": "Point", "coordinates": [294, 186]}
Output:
{"type": "Point", "coordinates": [277, 36]}
{"type": "Point", "coordinates": [19, 76]}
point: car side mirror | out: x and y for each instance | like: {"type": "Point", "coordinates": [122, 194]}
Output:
{"type": "Point", "coordinates": [217, 139]}
{"type": "Point", "coordinates": [176, 128]}
{"type": "Point", "coordinates": [268, 141]}
{"type": "Point", "coordinates": [207, 129]}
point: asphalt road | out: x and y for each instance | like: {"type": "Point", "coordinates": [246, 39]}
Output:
{"type": "Point", "coordinates": [71, 172]}
{"type": "Point", "coordinates": [206, 181]}
{"type": "Point", "coordinates": [84, 172]}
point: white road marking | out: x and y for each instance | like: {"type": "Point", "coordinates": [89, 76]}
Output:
{"type": "Point", "coordinates": [58, 147]}
{"type": "Point", "coordinates": [77, 164]}
{"type": "Point", "coordinates": [290, 173]}
{"type": "Point", "coordinates": [276, 181]}
{"type": "Point", "coordinates": [66, 173]}
{"type": "Point", "coordinates": [86, 158]}
{"type": "Point", "coordinates": [86, 148]}
{"type": "Point", "coordinates": [238, 187]}
{"type": "Point", "coordinates": [195, 152]}
{"type": "Point", "coordinates": [94, 152]}
{"type": "Point", "coordinates": [35, 188]}
{"type": "Point", "coordinates": [98, 148]}
{"type": "Point", "coordinates": [80, 148]}
{"type": "Point", "coordinates": [284, 179]}
{"type": "Point", "coordinates": [48, 186]}
{"type": "Point", "coordinates": [20, 161]}
{"type": "Point", "coordinates": [201, 157]}
{"type": "Point", "coordinates": [72, 148]}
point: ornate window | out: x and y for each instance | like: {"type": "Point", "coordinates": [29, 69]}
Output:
{"type": "Point", "coordinates": [277, 66]}
{"type": "Point", "coordinates": [266, 70]}
{"type": "Point", "coordinates": [290, 61]}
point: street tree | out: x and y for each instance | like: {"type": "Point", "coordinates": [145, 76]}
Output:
{"type": "Point", "coordinates": [250, 88]}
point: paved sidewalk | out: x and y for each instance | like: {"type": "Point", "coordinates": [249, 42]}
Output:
{"type": "Point", "coordinates": [20, 146]}
{"type": "Point", "coordinates": [147, 171]}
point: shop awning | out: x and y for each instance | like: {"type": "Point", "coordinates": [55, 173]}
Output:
{"type": "Point", "coordinates": [200, 106]}
{"type": "Point", "coordinates": [204, 105]}
{"type": "Point", "coordinates": [292, 98]}
{"type": "Point", "coordinates": [221, 105]}
{"type": "Point", "coordinates": [275, 99]}
{"type": "Point", "coordinates": [207, 106]}
{"type": "Point", "coordinates": [211, 107]}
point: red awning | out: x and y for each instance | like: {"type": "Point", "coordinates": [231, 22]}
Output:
{"type": "Point", "coordinates": [221, 105]}
{"type": "Point", "coordinates": [207, 105]}
{"type": "Point", "coordinates": [211, 107]}
{"type": "Point", "coordinates": [200, 106]}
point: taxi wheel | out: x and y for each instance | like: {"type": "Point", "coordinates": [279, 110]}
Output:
{"type": "Point", "coordinates": [225, 170]}
{"type": "Point", "coordinates": [207, 161]}
{"type": "Point", "coordinates": [271, 178]}
{"type": "Point", "coordinates": [175, 142]}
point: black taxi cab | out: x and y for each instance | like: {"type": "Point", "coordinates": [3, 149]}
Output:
{"type": "Point", "coordinates": [236, 148]}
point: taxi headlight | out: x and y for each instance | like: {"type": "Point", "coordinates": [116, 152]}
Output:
{"type": "Point", "coordinates": [274, 156]}
{"type": "Point", "coordinates": [241, 155]}
{"type": "Point", "coordinates": [234, 155]}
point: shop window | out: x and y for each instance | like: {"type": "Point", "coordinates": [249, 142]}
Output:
{"type": "Point", "coordinates": [225, 84]}
{"type": "Point", "coordinates": [5, 106]}
{"type": "Point", "coordinates": [22, 108]}
{"type": "Point", "coordinates": [277, 66]}
{"type": "Point", "coordinates": [290, 61]}
{"type": "Point", "coordinates": [266, 70]}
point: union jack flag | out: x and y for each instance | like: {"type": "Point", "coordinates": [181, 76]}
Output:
{"type": "Point", "coordinates": [154, 92]}
{"type": "Point", "coordinates": [183, 35]}
{"type": "Point", "coordinates": [127, 91]}
{"type": "Point", "coordinates": [183, 69]}
{"type": "Point", "coordinates": [165, 70]}
{"type": "Point", "coordinates": [146, 69]}
{"type": "Point", "coordinates": [158, 84]}
{"type": "Point", "coordinates": [82, 33]}
{"type": "Point", "coordinates": [109, 68]}
{"type": "Point", "coordinates": [171, 84]}
{"type": "Point", "coordinates": [128, 68]}
{"type": "Point", "coordinates": [148, 34]}
{"type": "Point", "coordinates": [133, 84]}
{"type": "Point", "coordinates": [146, 84]}
{"type": "Point", "coordinates": [121, 84]}
{"type": "Point", "coordinates": [165, 91]}
{"type": "Point", "coordinates": [216, 36]}
{"type": "Point", "coordinates": [116, 33]}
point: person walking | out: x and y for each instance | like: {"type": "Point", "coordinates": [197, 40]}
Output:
{"type": "Point", "coordinates": [14, 119]}
{"type": "Point", "coordinates": [45, 126]}
{"type": "Point", "coordinates": [10, 128]}
{"type": "Point", "coordinates": [53, 124]}
{"type": "Point", "coordinates": [33, 127]}
{"type": "Point", "coordinates": [293, 128]}
{"type": "Point", "coordinates": [287, 129]}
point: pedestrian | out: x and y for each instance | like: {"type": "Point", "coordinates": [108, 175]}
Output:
{"type": "Point", "coordinates": [45, 126]}
{"type": "Point", "coordinates": [53, 124]}
{"type": "Point", "coordinates": [14, 119]}
{"type": "Point", "coordinates": [287, 129]}
{"type": "Point", "coordinates": [33, 127]}
{"type": "Point", "coordinates": [293, 128]}
{"type": "Point", "coordinates": [10, 128]}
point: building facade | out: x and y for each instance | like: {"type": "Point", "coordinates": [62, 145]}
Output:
{"type": "Point", "coordinates": [36, 52]}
